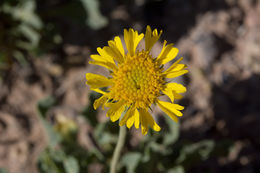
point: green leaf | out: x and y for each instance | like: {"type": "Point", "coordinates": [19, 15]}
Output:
{"type": "Point", "coordinates": [177, 169]}
{"type": "Point", "coordinates": [95, 19]}
{"type": "Point", "coordinates": [131, 160]}
{"type": "Point", "coordinates": [89, 113]}
{"type": "Point", "coordinates": [32, 36]}
{"type": "Point", "coordinates": [24, 12]}
{"type": "Point", "coordinates": [20, 58]}
{"type": "Point", "coordinates": [45, 104]}
{"type": "Point", "coordinates": [71, 165]}
{"type": "Point", "coordinates": [97, 153]}
{"type": "Point", "coordinates": [147, 154]}
{"type": "Point", "coordinates": [53, 136]}
{"type": "Point", "coordinates": [197, 151]}
{"type": "Point", "coordinates": [57, 155]}
{"type": "Point", "coordinates": [174, 131]}
{"type": "Point", "coordinates": [3, 170]}
{"type": "Point", "coordinates": [29, 25]}
{"type": "Point", "coordinates": [46, 163]}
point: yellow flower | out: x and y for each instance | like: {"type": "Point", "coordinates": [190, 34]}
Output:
{"type": "Point", "coordinates": [137, 80]}
{"type": "Point", "coordinates": [65, 125]}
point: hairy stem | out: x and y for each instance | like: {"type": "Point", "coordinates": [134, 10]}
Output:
{"type": "Point", "coordinates": [117, 151]}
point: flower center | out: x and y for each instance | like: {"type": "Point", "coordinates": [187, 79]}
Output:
{"type": "Point", "coordinates": [138, 80]}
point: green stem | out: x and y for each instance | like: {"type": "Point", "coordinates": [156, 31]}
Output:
{"type": "Point", "coordinates": [117, 151]}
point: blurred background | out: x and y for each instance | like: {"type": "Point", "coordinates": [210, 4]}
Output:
{"type": "Point", "coordinates": [47, 122]}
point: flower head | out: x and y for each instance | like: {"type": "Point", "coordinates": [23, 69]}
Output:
{"type": "Point", "coordinates": [137, 80]}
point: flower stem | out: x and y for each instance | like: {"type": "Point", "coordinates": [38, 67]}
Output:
{"type": "Point", "coordinates": [117, 151]}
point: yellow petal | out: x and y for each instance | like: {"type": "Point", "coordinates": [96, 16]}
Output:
{"type": "Point", "coordinates": [110, 52]}
{"type": "Point", "coordinates": [107, 65]}
{"type": "Point", "coordinates": [117, 48]}
{"type": "Point", "coordinates": [172, 90]}
{"type": "Point", "coordinates": [176, 70]}
{"type": "Point", "coordinates": [178, 67]}
{"type": "Point", "coordinates": [169, 93]}
{"type": "Point", "coordinates": [151, 38]}
{"type": "Point", "coordinates": [137, 118]}
{"type": "Point", "coordinates": [127, 115]}
{"type": "Point", "coordinates": [172, 110]}
{"type": "Point", "coordinates": [115, 110]}
{"type": "Point", "coordinates": [97, 81]}
{"type": "Point", "coordinates": [98, 90]}
{"type": "Point", "coordinates": [179, 88]}
{"type": "Point", "coordinates": [175, 74]}
{"type": "Point", "coordinates": [177, 95]}
{"type": "Point", "coordinates": [167, 54]}
{"type": "Point", "coordinates": [147, 119]}
{"type": "Point", "coordinates": [133, 118]}
{"type": "Point", "coordinates": [119, 45]}
{"type": "Point", "coordinates": [103, 55]}
{"type": "Point", "coordinates": [100, 101]}
{"type": "Point", "coordinates": [130, 121]}
{"type": "Point", "coordinates": [173, 95]}
{"type": "Point", "coordinates": [144, 123]}
{"type": "Point", "coordinates": [132, 39]}
{"type": "Point", "coordinates": [105, 61]}
{"type": "Point", "coordinates": [97, 57]}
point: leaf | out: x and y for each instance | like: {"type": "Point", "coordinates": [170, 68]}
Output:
{"type": "Point", "coordinates": [29, 23]}
{"type": "Point", "coordinates": [89, 112]}
{"type": "Point", "coordinates": [3, 170]}
{"type": "Point", "coordinates": [71, 165]}
{"type": "Point", "coordinates": [177, 169]}
{"type": "Point", "coordinates": [20, 58]}
{"type": "Point", "coordinates": [147, 153]}
{"type": "Point", "coordinates": [57, 155]}
{"type": "Point", "coordinates": [45, 104]}
{"type": "Point", "coordinates": [131, 160]}
{"type": "Point", "coordinates": [31, 34]}
{"type": "Point", "coordinates": [25, 12]}
{"type": "Point", "coordinates": [197, 151]}
{"type": "Point", "coordinates": [95, 19]}
{"type": "Point", "coordinates": [46, 163]}
{"type": "Point", "coordinates": [53, 136]}
{"type": "Point", "coordinates": [174, 131]}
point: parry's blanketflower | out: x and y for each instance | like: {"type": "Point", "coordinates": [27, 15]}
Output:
{"type": "Point", "coordinates": [137, 80]}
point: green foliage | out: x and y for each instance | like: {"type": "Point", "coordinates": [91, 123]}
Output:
{"type": "Point", "coordinates": [45, 104]}
{"type": "Point", "coordinates": [29, 21]}
{"type": "Point", "coordinates": [63, 153]}
{"type": "Point", "coordinates": [20, 27]}
{"type": "Point", "coordinates": [3, 170]}
{"type": "Point", "coordinates": [27, 31]}
{"type": "Point", "coordinates": [71, 165]}
{"type": "Point", "coordinates": [177, 169]}
{"type": "Point", "coordinates": [131, 160]}
{"type": "Point", "coordinates": [173, 134]}
{"type": "Point", "coordinates": [156, 152]}
{"type": "Point", "coordinates": [95, 19]}
{"type": "Point", "coordinates": [163, 151]}
{"type": "Point", "coordinates": [20, 32]}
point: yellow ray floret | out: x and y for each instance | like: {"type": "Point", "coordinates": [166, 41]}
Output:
{"type": "Point", "coordinates": [132, 39]}
{"type": "Point", "coordinates": [137, 80]}
{"type": "Point", "coordinates": [98, 81]}
{"type": "Point", "coordinates": [173, 90]}
{"type": "Point", "coordinates": [167, 54]}
{"type": "Point", "coordinates": [151, 37]}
